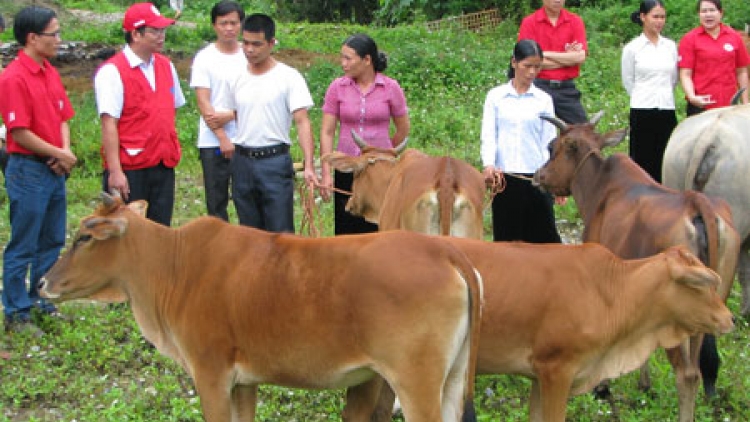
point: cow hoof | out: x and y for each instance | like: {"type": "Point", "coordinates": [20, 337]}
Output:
{"type": "Point", "coordinates": [601, 392]}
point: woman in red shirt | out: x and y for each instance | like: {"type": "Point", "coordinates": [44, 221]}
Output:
{"type": "Point", "coordinates": [712, 60]}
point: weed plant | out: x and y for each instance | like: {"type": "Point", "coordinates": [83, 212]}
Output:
{"type": "Point", "coordinates": [99, 368]}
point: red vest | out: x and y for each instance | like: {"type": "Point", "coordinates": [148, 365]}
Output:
{"type": "Point", "coordinates": [147, 120]}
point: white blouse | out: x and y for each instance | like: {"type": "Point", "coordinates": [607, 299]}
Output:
{"type": "Point", "coordinates": [649, 73]}
{"type": "Point", "coordinates": [514, 137]}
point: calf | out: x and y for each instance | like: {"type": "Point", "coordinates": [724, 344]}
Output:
{"type": "Point", "coordinates": [279, 309]}
{"type": "Point", "coordinates": [569, 316]}
{"type": "Point", "coordinates": [624, 209]}
{"type": "Point", "coordinates": [432, 195]}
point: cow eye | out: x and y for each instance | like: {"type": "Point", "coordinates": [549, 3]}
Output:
{"type": "Point", "coordinates": [82, 239]}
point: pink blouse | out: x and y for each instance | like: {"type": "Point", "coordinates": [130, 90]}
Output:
{"type": "Point", "coordinates": [368, 113]}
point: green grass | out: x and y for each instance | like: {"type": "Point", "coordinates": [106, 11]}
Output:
{"type": "Point", "coordinates": [99, 368]}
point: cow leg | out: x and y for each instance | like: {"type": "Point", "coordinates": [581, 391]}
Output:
{"type": "Point", "coordinates": [244, 398]}
{"type": "Point", "coordinates": [535, 402]}
{"type": "Point", "coordinates": [743, 274]}
{"type": "Point", "coordinates": [215, 397]}
{"type": "Point", "coordinates": [644, 379]}
{"type": "Point", "coordinates": [554, 388]}
{"type": "Point", "coordinates": [420, 396]}
{"type": "Point", "coordinates": [684, 360]}
{"type": "Point", "coordinates": [362, 401]}
{"type": "Point", "coordinates": [384, 410]}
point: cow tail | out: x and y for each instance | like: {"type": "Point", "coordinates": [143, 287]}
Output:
{"type": "Point", "coordinates": [446, 191]}
{"type": "Point", "coordinates": [711, 226]}
{"type": "Point", "coordinates": [695, 172]}
{"type": "Point", "coordinates": [475, 289]}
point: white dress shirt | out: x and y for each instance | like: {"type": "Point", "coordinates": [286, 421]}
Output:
{"type": "Point", "coordinates": [514, 137]}
{"type": "Point", "coordinates": [108, 86]}
{"type": "Point", "coordinates": [649, 73]}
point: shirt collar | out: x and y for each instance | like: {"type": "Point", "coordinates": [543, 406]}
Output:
{"type": "Point", "coordinates": [643, 40]}
{"type": "Point", "coordinates": [723, 29]}
{"type": "Point", "coordinates": [133, 59]}
{"type": "Point", "coordinates": [379, 80]}
{"type": "Point", "coordinates": [510, 91]}
{"type": "Point", "coordinates": [541, 16]}
{"type": "Point", "coordinates": [31, 64]}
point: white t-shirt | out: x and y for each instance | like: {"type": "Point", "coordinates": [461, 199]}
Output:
{"type": "Point", "coordinates": [265, 103]}
{"type": "Point", "coordinates": [214, 70]}
{"type": "Point", "coordinates": [109, 90]}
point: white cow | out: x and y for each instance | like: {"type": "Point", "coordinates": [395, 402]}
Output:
{"type": "Point", "coordinates": [710, 152]}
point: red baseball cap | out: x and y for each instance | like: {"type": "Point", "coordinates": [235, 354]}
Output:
{"type": "Point", "coordinates": [144, 14]}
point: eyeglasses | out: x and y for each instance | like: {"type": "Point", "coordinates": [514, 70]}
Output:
{"type": "Point", "coordinates": [156, 31]}
{"type": "Point", "coordinates": [55, 34]}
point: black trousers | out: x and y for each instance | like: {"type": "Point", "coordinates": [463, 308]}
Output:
{"type": "Point", "coordinates": [216, 177]}
{"type": "Point", "coordinates": [156, 186]}
{"type": "Point", "coordinates": [263, 191]}
{"type": "Point", "coordinates": [346, 223]}
{"type": "Point", "coordinates": [523, 212]}
{"type": "Point", "coordinates": [649, 133]}
{"type": "Point", "coordinates": [566, 99]}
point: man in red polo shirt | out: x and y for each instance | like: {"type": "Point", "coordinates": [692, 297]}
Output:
{"type": "Point", "coordinates": [137, 91]}
{"type": "Point", "coordinates": [562, 36]}
{"type": "Point", "coordinates": [35, 109]}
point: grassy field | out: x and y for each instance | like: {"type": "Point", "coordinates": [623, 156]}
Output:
{"type": "Point", "coordinates": [98, 367]}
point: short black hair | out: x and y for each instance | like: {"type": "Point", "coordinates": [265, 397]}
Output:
{"type": "Point", "coordinates": [31, 20]}
{"type": "Point", "coordinates": [259, 22]}
{"type": "Point", "coordinates": [225, 7]}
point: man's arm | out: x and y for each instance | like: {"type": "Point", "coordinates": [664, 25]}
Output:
{"type": "Point", "coordinates": [61, 159]}
{"type": "Point", "coordinates": [304, 132]}
{"type": "Point", "coordinates": [574, 55]}
{"type": "Point", "coordinates": [742, 82]}
{"type": "Point", "coordinates": [216, 120]}
{"type": "Point", "coordinates": [111, 145]}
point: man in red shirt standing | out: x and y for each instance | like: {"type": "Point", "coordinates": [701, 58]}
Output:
{"type": "Point", "coordinates": [137, 92]}
{"type": "Point", "coordinates": [562, 36]}
{"type": "Point", "coordinates": [36, 110]}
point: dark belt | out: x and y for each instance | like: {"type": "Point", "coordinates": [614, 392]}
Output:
{"type": "Point", "coordinates": [554, 84]}
{"type": "Point", "coordinates": [31, 157]}
{"type": "Point", "coordinates": [262, 152]}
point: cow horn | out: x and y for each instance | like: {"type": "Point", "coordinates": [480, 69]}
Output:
{"type": "Point", "coordinates": [109, 200]}
{"type": "Point", "coordinates": [401, 147]}
{"type": "Point", "coordinates": [557, 122]}
{"type": "Point", "coordinates": [737, 96]}
{"type": "Point", "coordinates": [358, 140]}
{"type": "Point", "coordinates": [595, 119]}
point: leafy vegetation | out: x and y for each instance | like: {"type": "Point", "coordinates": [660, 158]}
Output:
{"type": "Point", "coordinates": [98, 367]}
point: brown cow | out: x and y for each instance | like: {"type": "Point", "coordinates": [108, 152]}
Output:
{"type": "Point", "coordinates": [569, 316]}
{"type": "Point", "coordinates": [626, 210]}
{"type": "Point", "coordinates": [239, 307]}
{"type": "Point", "coordinates": [432, 195]}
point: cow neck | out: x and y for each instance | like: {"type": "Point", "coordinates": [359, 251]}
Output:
{"type": "Point", "coordinates": [584, 184]}
{"type": "Point", "coordinates": [157, 283]}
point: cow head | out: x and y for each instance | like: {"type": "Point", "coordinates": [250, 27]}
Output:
{"type": "Point", "coordinates": [574, 145]}
{"type": "Point", "coordinates": [372, 171]}
{"type": "Point", "coordinates": [95, 245]}
{"type": "Point", "coordinates": [692, 297]}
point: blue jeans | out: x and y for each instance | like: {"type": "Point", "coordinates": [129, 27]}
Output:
{"type": "Point", "coordinates": [37, 224]}
{"type": "Point", "coordinates": [263, 192]}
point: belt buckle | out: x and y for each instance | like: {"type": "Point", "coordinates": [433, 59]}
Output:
{"type": "Point", "coordinates": [555, 84]}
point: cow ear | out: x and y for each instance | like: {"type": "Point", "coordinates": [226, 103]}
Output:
{"type": "Point", "coordinates": [686, 268]}
{"type": "Point", "coordinates": [613, 138]}
{"type": "Point", "coordinates": [103, 228]}
{"type": "Point", "coordinates": [139, 207]}
{"type": "Point", "coordinates": [342, 162]}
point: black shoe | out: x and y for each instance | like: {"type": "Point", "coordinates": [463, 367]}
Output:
{"type": "Point", "coordinates": [22, 325]}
